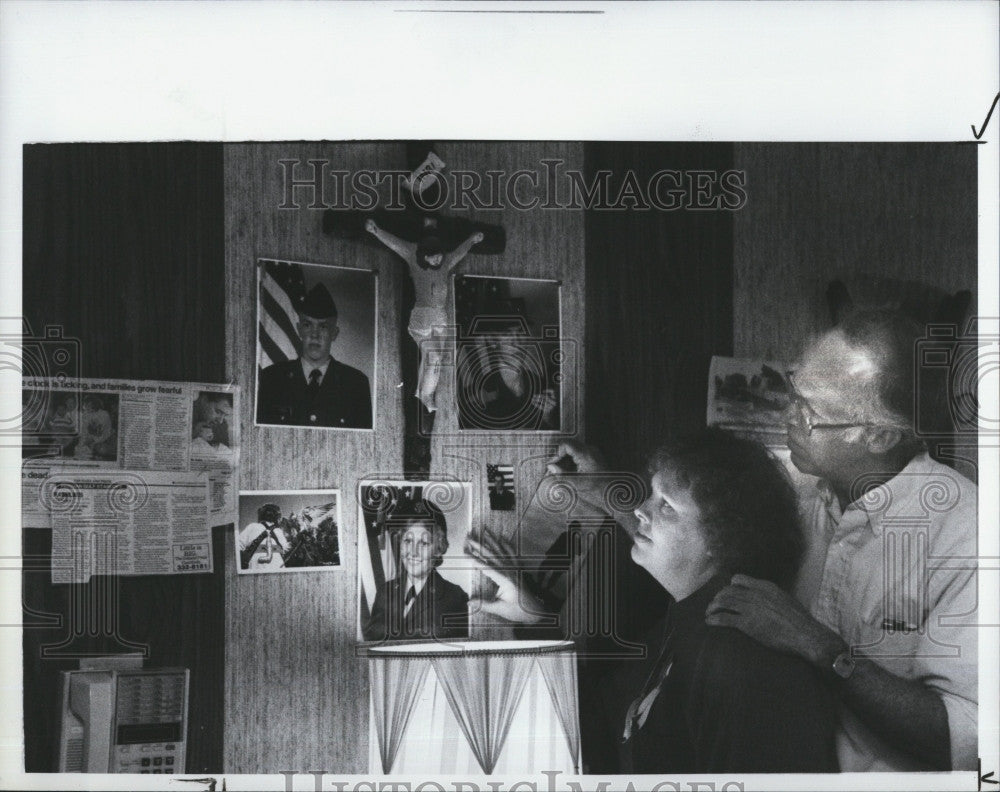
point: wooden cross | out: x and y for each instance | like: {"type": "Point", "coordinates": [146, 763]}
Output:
{"type": "Point", "coordinates": [415, 224]}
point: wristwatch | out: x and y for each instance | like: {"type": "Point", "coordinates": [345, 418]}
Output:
{"type": "Point", "coordinates": [844, 665]}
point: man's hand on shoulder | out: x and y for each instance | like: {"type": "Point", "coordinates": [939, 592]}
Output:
{"type": "Point", "coordinates": [772, 617]}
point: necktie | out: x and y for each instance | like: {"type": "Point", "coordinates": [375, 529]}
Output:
{"type": "Point", "coordinates": [410, 594]}
{"type": "Point", "coordinates": [314, 378]}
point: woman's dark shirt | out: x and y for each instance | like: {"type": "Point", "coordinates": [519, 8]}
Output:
{"type": "Point", "coordinates": [726, 704]}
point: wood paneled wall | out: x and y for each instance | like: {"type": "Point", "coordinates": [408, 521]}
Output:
{"type": "Point", "coordinates": [123, 251]}
{"type": "Point", "coordinates": [296, 693]}
{"type": "Point", "coordinates": [659, 304]}
{"type": "Point", "coordinates": [882, 217]}
{"type": "Point", "coordinates": [897, 223]}
{"type": "Point", "coordinates": [546, 244]}
{"type": "Point", "coordinates": [124, 247]}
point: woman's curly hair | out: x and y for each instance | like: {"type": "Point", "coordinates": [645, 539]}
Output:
{"type": "Point", "coordinates": [747, 503]}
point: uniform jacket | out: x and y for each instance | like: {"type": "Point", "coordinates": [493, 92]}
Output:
{"type": "Point", "coordinates": [343, 402]}
{"type": "Point", "coordinates": [439, 610]}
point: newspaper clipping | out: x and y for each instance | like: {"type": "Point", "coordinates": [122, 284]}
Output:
{"type": "Point", "coordinates": [130, 475]}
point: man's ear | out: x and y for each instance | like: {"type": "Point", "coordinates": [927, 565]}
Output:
{"type": "Point", "coordinates": [334, 332]}
{"type": "Point", "coordinates": [882, 439]}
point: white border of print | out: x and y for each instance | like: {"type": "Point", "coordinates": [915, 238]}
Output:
{"type": "Point", "coordinates": [456, 571]}
{"type": "Point", "coordinates": [373, 384]}
{"type": "Point", "coordinates": [303, 494]}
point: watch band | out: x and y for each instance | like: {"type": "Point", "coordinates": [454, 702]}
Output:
{"type": "Point", "coordinates": [843, 665]}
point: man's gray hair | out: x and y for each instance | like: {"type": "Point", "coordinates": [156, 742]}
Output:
{"type": "Point", "coordinates": [876, 383]}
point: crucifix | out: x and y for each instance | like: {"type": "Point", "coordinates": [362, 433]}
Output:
{"type": "Point", "coordinates": [432, 245]}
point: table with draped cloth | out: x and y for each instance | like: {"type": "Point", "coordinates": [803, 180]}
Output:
{"type": "Point", "coordinates": [473, 707]}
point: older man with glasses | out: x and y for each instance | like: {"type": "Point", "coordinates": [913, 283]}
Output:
{"type": "Point", "coordinates": [890, 594]}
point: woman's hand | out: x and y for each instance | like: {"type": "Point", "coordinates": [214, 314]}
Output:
{"type": "Point", "coordinates": [370, 226]}
{"type": "Point", "coordinates": [511, 602]}
{"type": "Point", "coordinates": [477, 237]}
{"type": "Point", "coordinates": [585, 459]}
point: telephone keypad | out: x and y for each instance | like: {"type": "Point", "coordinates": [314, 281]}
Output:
{"type": "Point", "coordinates": [149, 758]}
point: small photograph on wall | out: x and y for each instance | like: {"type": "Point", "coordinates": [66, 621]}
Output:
{"type": "Point", "coordinates": [211, 425]}
{"type": "Point", "coordinates": [413, 575]}
{"type": "Point", "coordinates": [500, 480]}
{"type": "Point", "coordinates": [509, 356]}
{"type": "Point", "coordinates": [316, 341]}
{"type": "Point", "coordinates": [748, 393]}
{"type": "Point", "coordinates": [287, 531]}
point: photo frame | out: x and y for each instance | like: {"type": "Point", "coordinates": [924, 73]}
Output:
{"type": "Point", "coordinates": [288, 531]}
{"type": "Point", "coordinates": [316, 346]}
{"type": "Point", "coordinates": [412, 581]}
{"type": "Point", "coordinates": [509, 356]}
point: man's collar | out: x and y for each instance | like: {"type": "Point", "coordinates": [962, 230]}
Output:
{"type": "Point", "coordinates": [307, 367]}
{"type": "Point", "coordinates": [895, 492]}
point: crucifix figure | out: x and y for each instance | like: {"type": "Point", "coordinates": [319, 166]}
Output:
{"type": "Point", "coordinates": [432, 245]}
{"type": "Point", "coordinates": [429, 265]}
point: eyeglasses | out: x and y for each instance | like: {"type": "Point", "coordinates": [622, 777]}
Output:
{"type": "Point", "coordinates": [802, 414]}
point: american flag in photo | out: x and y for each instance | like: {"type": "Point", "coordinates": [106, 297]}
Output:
{"type": "Point", "coordinates": [374, 560]}
{"type": "Point", "coordinates": [503, 472]}
{"type": "Point", "coordinates": [282, 288]}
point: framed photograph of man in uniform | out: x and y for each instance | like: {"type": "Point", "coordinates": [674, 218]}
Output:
{"type": "Point", "coordinates": [286, 531]}
{"type": "Point", "coordinates": [509, 357]}
{"type": "Point", "coordinates": [316, 333]}
{"type": "Point", "coordinates": [413, 575]}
